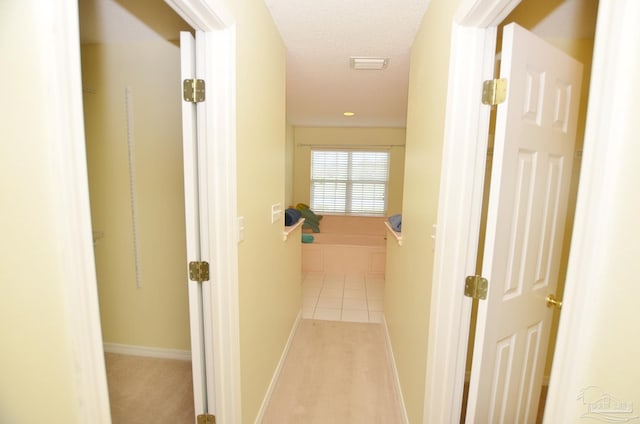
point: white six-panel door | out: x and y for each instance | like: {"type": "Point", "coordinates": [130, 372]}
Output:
{"type": "Point", "coordinates": [532, 161]}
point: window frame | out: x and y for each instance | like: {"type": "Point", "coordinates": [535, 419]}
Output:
{"type": "Point", "coordinates": [349, 182]}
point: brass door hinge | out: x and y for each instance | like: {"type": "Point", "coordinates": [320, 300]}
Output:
{"type": "Point", "coordinates": [199, 271]}
{"type": "Point", "coordinates": [476, 287]}
{"type": "Point", "coordinates": [193, 90]}
{"type": "Point", "coordinates": [206, 419]}
{"type": "Point", "coordinates": [494, 91]}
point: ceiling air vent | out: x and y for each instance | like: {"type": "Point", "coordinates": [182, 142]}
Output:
{"type": "Point", "coordinates": [369, 63]}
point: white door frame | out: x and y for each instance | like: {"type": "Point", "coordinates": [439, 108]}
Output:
{"type": "Point", "coordinates": [464, 153]}
{"type": "Point", "coordinates": [211, 17]}
{"type": "Point", "coordinates": [473, 41]}
{"type": "Point", "coordinates": [611, 127]}
{"type": "Point", "coordinates": [59, 20]}
{"type": "Point", "coordinates": [218, 229]}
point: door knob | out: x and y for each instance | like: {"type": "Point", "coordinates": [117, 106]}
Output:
{"type": "Point", "coordinates": [552, 301]}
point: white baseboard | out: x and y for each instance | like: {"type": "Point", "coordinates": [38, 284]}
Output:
{"type": "Point", "coordinates": [276, 374]}
{"type": "Point", "coordinates": [394, 371]}
{"type": "Point", "coordinates": [151, 352]}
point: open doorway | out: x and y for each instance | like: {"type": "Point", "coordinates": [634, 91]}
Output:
{"type": "Point", "coordinates": [578, 43]}
{"type": "Point", "coordinates": [131, 77]}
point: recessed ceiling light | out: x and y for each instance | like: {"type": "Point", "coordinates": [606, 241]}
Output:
{"type": "Point", "coordinates": [349, 114]}
{"type": "Point", "coordinates": [369, 63]}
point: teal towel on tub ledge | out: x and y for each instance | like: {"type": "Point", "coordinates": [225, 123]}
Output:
{"type": "Point", "coordinates": [307, 238]}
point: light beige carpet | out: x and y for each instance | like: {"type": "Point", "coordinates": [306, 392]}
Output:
{"type": "Point", "coordinates": [149, 390]}
{"type": "Point", "coordinates": [335, 372]}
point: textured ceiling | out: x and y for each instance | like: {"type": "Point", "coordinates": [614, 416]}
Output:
{"type": "Point", "coordinates": [321, 36]}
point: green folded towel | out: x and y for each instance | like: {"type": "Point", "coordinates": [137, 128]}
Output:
{"type": "Point", "coordinates": [311, 220]}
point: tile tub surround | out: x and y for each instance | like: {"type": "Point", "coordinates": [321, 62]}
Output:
{"type": "Point", "coordinates": [343, 259]}
{"type": "Point", "coordinates": [351, 224]}
{"type": "Point", "coordinates": [347, 245]}
{"type": "Point", "coordinates": [343, 297]}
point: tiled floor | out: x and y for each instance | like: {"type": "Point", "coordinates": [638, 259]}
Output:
{"type": "Point", "coordinates": [339, 297]}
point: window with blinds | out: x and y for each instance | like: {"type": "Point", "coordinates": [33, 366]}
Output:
{"type": "Point", "coordinates": [349, 181]}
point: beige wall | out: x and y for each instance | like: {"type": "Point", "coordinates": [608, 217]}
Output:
{"type": "Point", "coordinates": [289, 165]}
{"type": "Point", "coordinates": [410, 267]}
{"type": "Point", "coordinates": [384, 137]}
{"type": "Point", "coordinates": [269, 269]}
{"type": "Point", "coordinates": [155, 315]}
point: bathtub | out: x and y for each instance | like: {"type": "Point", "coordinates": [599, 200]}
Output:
{"type": "Point", "coordinates": [347, 245]}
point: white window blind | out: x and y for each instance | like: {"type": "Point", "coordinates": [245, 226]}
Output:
{"type": "Point", "coordinates": [349, 182]}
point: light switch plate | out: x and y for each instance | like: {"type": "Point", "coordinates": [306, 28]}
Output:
{"type": "Point", "coordinates": [276, 212]}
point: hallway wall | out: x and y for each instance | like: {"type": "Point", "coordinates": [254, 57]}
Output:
{"type": "Point", "coordinates": [156, 314]}
{"type": "Point", "coordinates": [269, 268]}
{"type": "Point", "coordinates": [410, 267]}
{"type": "Point", "coordinates": [289, 165]}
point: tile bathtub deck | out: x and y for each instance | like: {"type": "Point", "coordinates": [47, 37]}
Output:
{"type": "Point", "coordinates": [343, 297]}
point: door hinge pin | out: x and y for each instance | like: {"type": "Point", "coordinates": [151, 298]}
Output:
{"type": "Point", "coordinates": [206, 419]}
{"type": "Point", "coordinates": [476, 287]}
{"type": "Point", "coordinates": [199, 271]}
{"type": "Point", "coordinates": [494, 91]}
{"type": "Point", "coordinates": [193, 90]}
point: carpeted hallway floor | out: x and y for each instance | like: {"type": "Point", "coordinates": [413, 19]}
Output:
{"type": "Point", "coordinates": [335, 372]}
